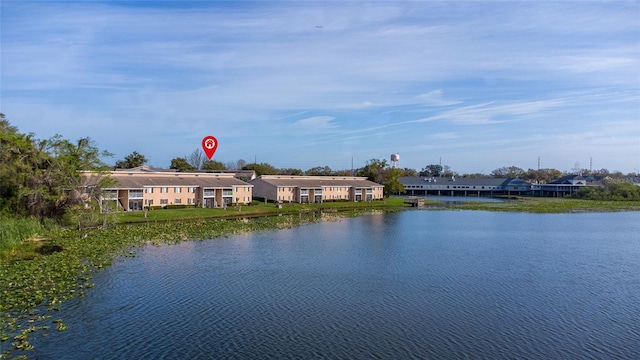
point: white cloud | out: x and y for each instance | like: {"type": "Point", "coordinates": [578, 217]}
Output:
{"type": "Point", "coordinates": [476, 72]}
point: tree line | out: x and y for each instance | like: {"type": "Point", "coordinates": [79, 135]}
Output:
{"type": "Point", "coordinates": [196, 162]}
{"type": "Point", "coordinates": [43, 178]}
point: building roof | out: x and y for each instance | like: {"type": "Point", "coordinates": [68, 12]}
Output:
{"type": "Point", "coordinates": [240, 174]}
{"type": "Point", "coordinates": [316, 181]}
{"type": "Point", "coordinates": [413, 180]}
{"type": "Point", "coordinates": [142, 179]}
{"type": "Point", "coordinates": [569, 179]}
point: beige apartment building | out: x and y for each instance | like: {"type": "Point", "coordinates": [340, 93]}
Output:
{"type": "Point", "coordinates": [138, 188]}
{"type": "Point", "coordinates": [316, 189]}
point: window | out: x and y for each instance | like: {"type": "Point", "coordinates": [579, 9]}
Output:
{"type": "Point", "coordinates": [135, 193]}
{"type": "Point", "coordinates": [177, 190]}
{"type": "Point", "coordinates": [164, 189]}
{"type": "Point", "coordinates": [191, 201]}
{"type": "Point", "coordinates": [110, 194]}
{"type": "Point", "coordinates": [164, 201]}
{"type": "Point", "coordinates": [148, 190]}
{"type": "Point", "coordinates": [178, 201]}
{"type": "Point", "coordinates": [191, 189]}
{"type": "Point", "coordinates": [148, 202]}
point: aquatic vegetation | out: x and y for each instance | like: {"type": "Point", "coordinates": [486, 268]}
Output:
{"type": "Point", "coordinates": [33, 289]}
{"type": "Point", "coordinates": [549, 205]}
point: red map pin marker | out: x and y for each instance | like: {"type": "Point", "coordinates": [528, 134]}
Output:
{"type": "Point", "coordinates": [209, 145]}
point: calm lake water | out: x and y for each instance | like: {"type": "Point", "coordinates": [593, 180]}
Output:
{"type": "Point", "coordinates": [414, 284]}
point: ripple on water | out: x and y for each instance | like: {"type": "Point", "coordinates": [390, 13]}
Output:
{"type": "Point", "coordinates": [405, 285]}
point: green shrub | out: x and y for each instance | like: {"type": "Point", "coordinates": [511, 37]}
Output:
{"type": "Point", "coordinates": [180, 206]}
{"type": "Point", "coordinates": [612, 190]}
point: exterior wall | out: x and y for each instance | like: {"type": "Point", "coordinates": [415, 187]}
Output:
{"type": "Point", "coordinates": [165, 195]}
{"type": "Point", "coordinates": [148, 189]}
{"type": "Point", "coordinates": [378, 193]}
{"type": "Point", "coordinates": [310, 189]}
{"type": "Point", "coordinates": [556, 190]}
{"type": "Point", "coordinates": [242, 194]}
{"type": "Point", "coordinates": [336, 193]}
{"type": "Point", "coordinates": [465, 187]}
{"type": "Point", "coordinates": [286, 194]}
{"type": "Point", "coordinates": [264, 190]}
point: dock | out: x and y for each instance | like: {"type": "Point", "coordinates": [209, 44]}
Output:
{"type": "Point", "coordinates": [414, 201]}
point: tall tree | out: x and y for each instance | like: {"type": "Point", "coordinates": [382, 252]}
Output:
{"type": "Point", "coordinates": [448, 172]}
{"type": "Point", "coordinates": [236, 165]}
{"type": "Point", "coordinates": [195, 159]}
{"type": "Point", "coordinates": [508, 172]}
{"type": "Point", "coordinates": [392, 184]}
{"type": "Point", "coordinates": [344, 172]}
{"type": "Point", "coordinates": [409, 172]}
{"type": "Point", "coordinates": [19, 159]}
{"type": "Point", "coordinates": [319, 171]}
{"type": "Point", "coordinates": [262, 169]}
{"type": "Point", "coordinates": [131, 161]}
{"type": "Point", "coordinates": [380, 172]}
{"type": "Point", "coordinates": [433, 170]}
{"type": "Point", "coordinates": [181, 164]}
{"type": "Point", "coordinates": [291, 171]}
{"type": "Point", "coordinates": [541, 176]}
{"type": "Point", "coordinates": [374, 170]}
{"type": "Point", "coordinates": [44, 178]}
{"type": "Point", "coordinates": [212, 165]}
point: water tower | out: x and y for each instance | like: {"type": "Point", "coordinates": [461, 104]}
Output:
{"type": "Point", "coordinates": [394, 159]}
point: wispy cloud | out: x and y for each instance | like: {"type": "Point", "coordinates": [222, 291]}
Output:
{"type": "Point", "coordinates": [479, 73]}
{"type": "Point", "coordinates": [314, 124]}
{"type": "Point", "coordinates": [435, 98]}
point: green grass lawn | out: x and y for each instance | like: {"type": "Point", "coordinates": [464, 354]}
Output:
{"type": "Point", "coordinates": [260, 209]}
{"type": "Point", "coordinates": [520, 204]}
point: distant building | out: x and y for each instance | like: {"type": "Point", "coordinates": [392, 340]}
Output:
{"type": "Point", "coordinates": [316, 189]}
{"type": "Point", "coordinates": [141, 187]}
{"type": "Point", "coordinates": [453, 186]}
{"type": "Point", "coordinates": [567, 185]}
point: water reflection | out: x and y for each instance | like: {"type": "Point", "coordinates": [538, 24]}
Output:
{"type": "Point", "coordinates": [415, 284]}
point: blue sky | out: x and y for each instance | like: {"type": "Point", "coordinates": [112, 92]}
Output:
{"type": "Point", "coordinates": [476, 85]}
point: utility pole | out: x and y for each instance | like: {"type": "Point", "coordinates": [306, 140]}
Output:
{"type": "Point", "coordinates": [352, 173]}
{"type": "Point", "coordinates": [538, 163]}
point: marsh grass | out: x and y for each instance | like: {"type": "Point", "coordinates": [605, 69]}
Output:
{"type": "Point", "coordinates": [31, 290]}
{"type": "Point", "coordinates": [549, 205]}
{"type": "Point", "coordinates": [21, 238]}
{"type": "Point", "coordinates": [33, 287]}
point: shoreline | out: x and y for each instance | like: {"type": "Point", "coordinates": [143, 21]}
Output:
{"type": "Point", "coordinates": [32, 290]}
